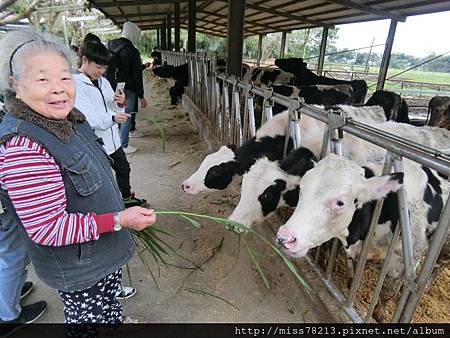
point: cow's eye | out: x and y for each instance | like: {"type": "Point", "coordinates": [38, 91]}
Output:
{"type": "Point", "coordinates": [340, 203]}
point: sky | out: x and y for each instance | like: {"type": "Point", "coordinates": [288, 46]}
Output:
{"type": "Point", "coordinates": [418, 35]}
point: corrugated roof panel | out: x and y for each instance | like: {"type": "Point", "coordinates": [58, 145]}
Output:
{"type": "Point", "coordinates": [263, 16]}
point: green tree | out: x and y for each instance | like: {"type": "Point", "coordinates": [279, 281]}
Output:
{"type": "Point", "coordinates": [12, 11]}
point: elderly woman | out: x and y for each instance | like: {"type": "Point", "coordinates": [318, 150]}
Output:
{"type": "Point", "coordinates": [57, 176]}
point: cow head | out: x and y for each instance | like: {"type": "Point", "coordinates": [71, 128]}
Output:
{"type": "Point", "coordinates": [164, 71]}
{"type": "Point", "coordinates": [268, 186]}
{"type": "Point", "coordinates": [290, 65]}
{"type": "Point", "coordinates": [330, 194]}
{"type": "Point", "coordinates": [215, 172]}
{"type": "Point", "coordinates": [264, 189]}
{"type": "Point", "coordinates": [156, 57]}
{"type": "Point", "coordinates": [297, 67]}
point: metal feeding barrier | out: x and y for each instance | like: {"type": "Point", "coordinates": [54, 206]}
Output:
{"type": "Point", "coordinates": [235, 109]}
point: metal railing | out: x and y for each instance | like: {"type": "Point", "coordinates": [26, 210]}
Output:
{"type": "Point", "coordinates": [229, 105]}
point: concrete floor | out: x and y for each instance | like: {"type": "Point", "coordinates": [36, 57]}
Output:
{"type": "Point", "coordinates": [228, 288]}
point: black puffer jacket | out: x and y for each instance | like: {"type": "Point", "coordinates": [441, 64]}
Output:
{"type": "Point", "coordinates": [130, 65]}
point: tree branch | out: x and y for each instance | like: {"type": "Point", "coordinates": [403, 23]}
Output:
{"type": "Point", "coordinates": [5, 4]}
{"type": "Point", "coordinates": [19, 16]}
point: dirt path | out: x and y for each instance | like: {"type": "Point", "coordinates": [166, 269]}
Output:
{"type": "Point", "coordinates": [228, 272]}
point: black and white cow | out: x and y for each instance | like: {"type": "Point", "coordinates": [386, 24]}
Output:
{"type": "Point", "coordinates": [157, 59]}
{"type": "Point", "coordinates": [394, 106]}
{"type": "Point", "coordinates": [268, 76]}
{"type": "Point", "coordinates": [179, 74]}
{"type": "Point", "coordinates": [249, 209]}
{"type": "Point", "coordinates": [305, 77]}
{"type": "Point", "coordinates": [269, 185]}
{"type": "Point", "coordinates": [336, 200]}
{"type": "Point", "coordinates": [276, 181]}
{"type": "Point", "coordinates": [439, 112]}
{"type": "Point", "coordinates": [325, 95]}
{"type": "Point", "coordinates": [218, 169]}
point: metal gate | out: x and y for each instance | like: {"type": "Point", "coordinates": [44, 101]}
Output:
{"type": "Point", "coordinates": [229, 104]}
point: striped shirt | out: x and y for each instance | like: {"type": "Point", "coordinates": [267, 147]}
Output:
{"type": "Point", "coordinates": [34, 183]}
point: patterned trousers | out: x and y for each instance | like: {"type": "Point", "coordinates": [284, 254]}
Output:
{"type": "Point", "coordinates": [96, 304]}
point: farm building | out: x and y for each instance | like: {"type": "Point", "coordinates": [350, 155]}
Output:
{"type": "Point", "coordinates": [226, 147]}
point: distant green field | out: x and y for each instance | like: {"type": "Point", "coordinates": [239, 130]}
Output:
{"type": "Point", "coordinates": [412, 75]}
{"type": "Point", "coordinates": [428, 83]}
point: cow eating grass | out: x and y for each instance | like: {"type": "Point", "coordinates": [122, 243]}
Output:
{"type": "Point", "coordinates": [336, 201]}
{"type": "Point", "coordinates": [218, 169]}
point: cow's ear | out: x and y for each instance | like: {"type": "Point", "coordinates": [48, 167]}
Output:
{"type": "Point", "coordinates": [378, 187]}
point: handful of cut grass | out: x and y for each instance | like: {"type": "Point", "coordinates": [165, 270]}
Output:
{"type": "Point", "coordinates": [151, 241]}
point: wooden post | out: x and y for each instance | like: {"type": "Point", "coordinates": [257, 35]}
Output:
{"type": "Point", "coordinates": [386, 55]}
{"type": "Point", "coordinates": [236, 14]}
{"type": "Point", "coordinates": [177, 26]}
{"type": "Point", "coordinates": [192, 13]}
{"type": "Point", "coordinates": [323, 47]}
{"type": "Point", "coordinates": [164, 35]}
{"type": "Point", "coordinates": [169, 31]}
{"type": "Point", "coordinates": [258, 58]}
{"type": "Point", "coordinates": [283, 44]}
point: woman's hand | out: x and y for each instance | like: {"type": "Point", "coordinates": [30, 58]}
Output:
{"type": "Point", "coordinates": [137, 218]}
{"type": "Point", "coordinates": [119, 97]}
{"type": "Point", "coordinates": [121, 117]}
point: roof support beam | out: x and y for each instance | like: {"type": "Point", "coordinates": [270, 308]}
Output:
{"type": "Point", "coordinates": [323, 48]}
{"type": "Point", "coordinates": [236, 14]}
{"type": "Point", "coordinates": [177, 26]}
{"type": "Point", "coordinates": [158, 43]}
{"type": "Point", "coordinates": [386, 55]}
{"type": "Point", "coordinates": [164, 35]}
{"type": "Point", "coordinates": [134, 3]}
{"type": "Point", "coordinates": [247, 22]}
{"type": "Point", "coordinates": [289, 16]}
{"type": "Point", "coordinates": [258, 58]}
{"type": "Point", "coordinates": [283, 44]}
{"type": "Point", "coordinates": [169, 31]}
{"type": "Point", "coordinates": [368, 9]}
{"type": "Point", "coordinates": [134, 16]}
{"type": "Point", "coordinates": [192, 13]}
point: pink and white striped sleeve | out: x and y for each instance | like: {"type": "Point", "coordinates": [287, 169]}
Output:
{"type": "Point", "coordinates": [36, 188]}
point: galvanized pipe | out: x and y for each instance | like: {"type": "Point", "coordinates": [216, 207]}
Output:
{"type": "Point", "coordinates": [438, 239]}
{"type": "Point", "coordinates": [405, 148]}
{"type": "Point", "coordinates": [367, 241]}
{"type": "Point", "coordinates": [383, 273]}
{"type": "Point", "coordinates": [251, 116]}
{"type": "Point", "coordinates": [408, 255]}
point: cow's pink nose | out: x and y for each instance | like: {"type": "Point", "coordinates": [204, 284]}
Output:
{"type": "Point", "coordinates": [185, 187]}
{"type": "Point", "coordinates": [285, 237]}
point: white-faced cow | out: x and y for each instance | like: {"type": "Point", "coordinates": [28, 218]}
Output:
{"type": "Point", "coordinates": [305, 77]}
{"type": "Point", "coordinates": [270, 185]}
{"type": "Point", "coordinates": [218, 169]}
{"type": "Point", "coordinates": [249, 210]}
{"type": "Point", "coordinates": [336, 200]}
{"type": "Point", "coordinates": [439, 112]}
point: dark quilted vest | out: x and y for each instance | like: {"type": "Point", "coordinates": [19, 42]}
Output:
{"type": "Point", "coordinates": [90, 187]}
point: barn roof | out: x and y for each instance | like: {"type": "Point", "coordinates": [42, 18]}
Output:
{"type": "Point", "coordinates": [266, 16]}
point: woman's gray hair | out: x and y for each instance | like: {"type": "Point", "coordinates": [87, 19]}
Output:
{"type": "Point", "coordinates": [19, 44]}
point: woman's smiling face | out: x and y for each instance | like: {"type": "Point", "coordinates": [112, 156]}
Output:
{"type": "Point", "coordinates": [46, 85]}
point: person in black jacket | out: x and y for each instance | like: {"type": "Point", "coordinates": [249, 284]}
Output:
{"type": "Point", "coordinates": [130, 72]}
